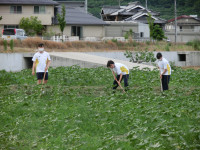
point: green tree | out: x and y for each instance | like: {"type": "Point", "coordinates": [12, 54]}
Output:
{"type": "Point", "coordinates": [0, 17]}
{"type": "Point", "coordinates": [151, 25]}
{"type": "Point", "coordinates": [61, 20]}
{"type": "Point", "coordinates": [158, 33]}
{"type": "Point", "coordinates": [31, 25]}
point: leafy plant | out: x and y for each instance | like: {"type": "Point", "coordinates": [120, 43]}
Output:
{"type": "Point", "coordinates": [195, 44]}
{"type": "Point", "coordinates": [139, 57]}
{"type": "Point", "coordinates": [12, 44]}
{"type": "Point", "coordinates": [158, 33]}
{"type": "Point", "coordinates": [167, 47]}
{"type": "Point", "coordinates": [31, 25]}
{"type": "Point", "coordinates": [5, 45]}
{"type": "Point", "coordinates": [80, 111]}
{"type": "Point", "coordinates": [129, 34]}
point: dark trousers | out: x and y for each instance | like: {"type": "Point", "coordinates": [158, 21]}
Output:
{"type": "Point", "coordinates": [124, 77]}
{"type": "Point", "coordinates": [165, 82]}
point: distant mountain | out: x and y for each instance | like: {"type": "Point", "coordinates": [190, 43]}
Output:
{"type": "Point", "coordinates": [165, 7]}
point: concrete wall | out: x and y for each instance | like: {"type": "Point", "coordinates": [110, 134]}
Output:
{"type": "Point", "coordinates": [183, 37]}
{"type": "Point", "coordinates": [192, 58]}
{"type": "Point", "coordinates": [93, 31]}
{"type": "Point", "coordinates": [27, 11]}
{"type": "Point", "coordinates": [119, 29]}
{"type": "Point", "coordinates": [145, 29]}
{"type": "Point", "coordinates": [59, 61]}
{"type": "Point", "coordinates": [12, 62]}
{"type": "Point", "coordinates": [56, 29]}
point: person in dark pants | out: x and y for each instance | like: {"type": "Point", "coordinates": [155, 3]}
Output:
{"type": "Point", "coordinates": [165, 71]}
{"type": "Point", "coordinates": [122, 72]}
{"type": "Point", "coordinates": [41, 62]}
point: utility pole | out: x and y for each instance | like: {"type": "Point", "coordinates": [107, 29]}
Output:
{"type": "Point", "coordinates": [119, 3]}
{"type": "Point", "coordinates": [146, 4]}
{"type": "Point", "coordinates": [175, 21]}
{"type": "Point", "coordinates": [86, 6]}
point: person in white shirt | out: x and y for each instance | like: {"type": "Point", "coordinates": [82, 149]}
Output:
{"type": "Point", "coordinates": [122, 72]}
{"type": "Point", "coordinates": [41, 62]}
{"type": "Point", "coordinates": [165, 71]}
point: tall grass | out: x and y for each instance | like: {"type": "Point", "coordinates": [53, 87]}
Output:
{"type": "Point", "coordinates": [5, 44]}
{"type": "Point", "coordinates": [12, 44]}
{"type": "Point", "coordinates": [195, 44]}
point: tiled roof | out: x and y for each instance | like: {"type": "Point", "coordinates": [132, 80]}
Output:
{"type": "Point", "coordinates": [75, 16]}
{"type": "Point", "coordinates": [181, 17]}
{"type": "Point", "coordinates": [28, 2]}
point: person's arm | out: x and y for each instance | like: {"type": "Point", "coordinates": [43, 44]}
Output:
{"type": "Point", "coordinates": [48, 64]}
{"type": "Point", "coordinates": [33, 68]}
{"type": "Point", "coordinates": [120, 78]}
{"type": "Point", "coordinates": [114, 76]}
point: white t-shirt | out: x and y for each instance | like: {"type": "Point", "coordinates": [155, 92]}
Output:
{"type": "Point", "coordinates": [164, 64]}
{"type": "Point", "coordinates": [120, 69]}
{"type": "Point", "coordinates": [41, 61]}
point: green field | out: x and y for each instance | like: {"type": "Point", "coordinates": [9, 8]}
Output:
{"type": "Point", "coordinates": [78, 110]}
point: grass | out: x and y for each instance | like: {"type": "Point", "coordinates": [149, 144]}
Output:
{"type": "Point", "coordinates": [79, 111]}
{"type": "Point", "coordinates": [30, 45]}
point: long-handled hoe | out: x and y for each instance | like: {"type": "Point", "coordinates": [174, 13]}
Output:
{"type": "Point", "coordinates": [121, 88]}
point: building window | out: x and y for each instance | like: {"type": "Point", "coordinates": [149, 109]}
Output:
{"type": "Point", "coordinates": [39, 9]}
{"type": "Point", "coordinates": [76, 31]}
{"type": "Point", "coordinates": [10, 26]}
{"type": "Point", "coordinates": [181, 28]}
{"type": "Point", "coordinates": [141, 34]}
{"type": "Point", "coordinates": [16, 9]}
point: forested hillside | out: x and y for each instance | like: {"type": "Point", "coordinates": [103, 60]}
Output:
{"type": "Point", "coordinates": [165, 7]}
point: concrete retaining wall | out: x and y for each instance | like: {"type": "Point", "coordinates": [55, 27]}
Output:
{"type": "Point", "coordinates": [191, 58]}
{"type": "Point", "coordinates": [12, 62]}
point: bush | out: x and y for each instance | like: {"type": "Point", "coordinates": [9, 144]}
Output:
{"type": "Point", "coordinates": [195, 44]}
{"type": "Point", "coordinates": [12, 44]}
{"type": "Point", "coordinates": [5, 44]}
{"type": "Point", "coordinates": [167, 47]}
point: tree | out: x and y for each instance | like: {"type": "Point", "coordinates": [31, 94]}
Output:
{"type": "Point", "coordinates": [151, 24]}
{"type": "Point", "coordinates": [0, 18]}
{"type": "Point", "coordinates": [61, 20]}
{"type": "Point", "coordinates": [158, 33]}
{"type": "Point", "coordinates": [31, 25]}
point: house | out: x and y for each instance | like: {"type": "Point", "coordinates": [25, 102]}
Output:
{"type": "Point", "coordinates": [78, 22]}
{"type": "Point", "coordinates": [188, 28]}
{"type": "Point", "coordinates": [133, 12]}
{"type": "Point", "coordinates": [12, 11]}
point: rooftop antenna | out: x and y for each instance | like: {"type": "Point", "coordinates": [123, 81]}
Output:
{"type": "Point", "coordinates": [86, 6]}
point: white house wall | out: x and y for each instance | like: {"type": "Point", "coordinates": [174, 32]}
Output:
{"type": "Point", "coordinates": [88, 31]}
{"type": "Point", "coordinates": [145, 29]}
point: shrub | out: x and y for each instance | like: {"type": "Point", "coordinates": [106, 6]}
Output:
{"type": "Point", "coordinates": [12, 44]}
{"type": "Point", "coordinates": [195, 44]}
{"type": "Point", "coordinates": [167, 47]}
{"type": "Point", "coordinates": [5, 44]}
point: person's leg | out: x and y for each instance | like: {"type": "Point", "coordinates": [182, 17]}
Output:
{"type": "Point", "coordinates": [46, 78]}
{"type": "Point", "coordinates": [165, 82]}
{"type": "Point", "coordinates": [39, 77]}
{"type": "Point", "coordinates": [126, 77]}
{"type": "Point", "coordinates": [115, 84]}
